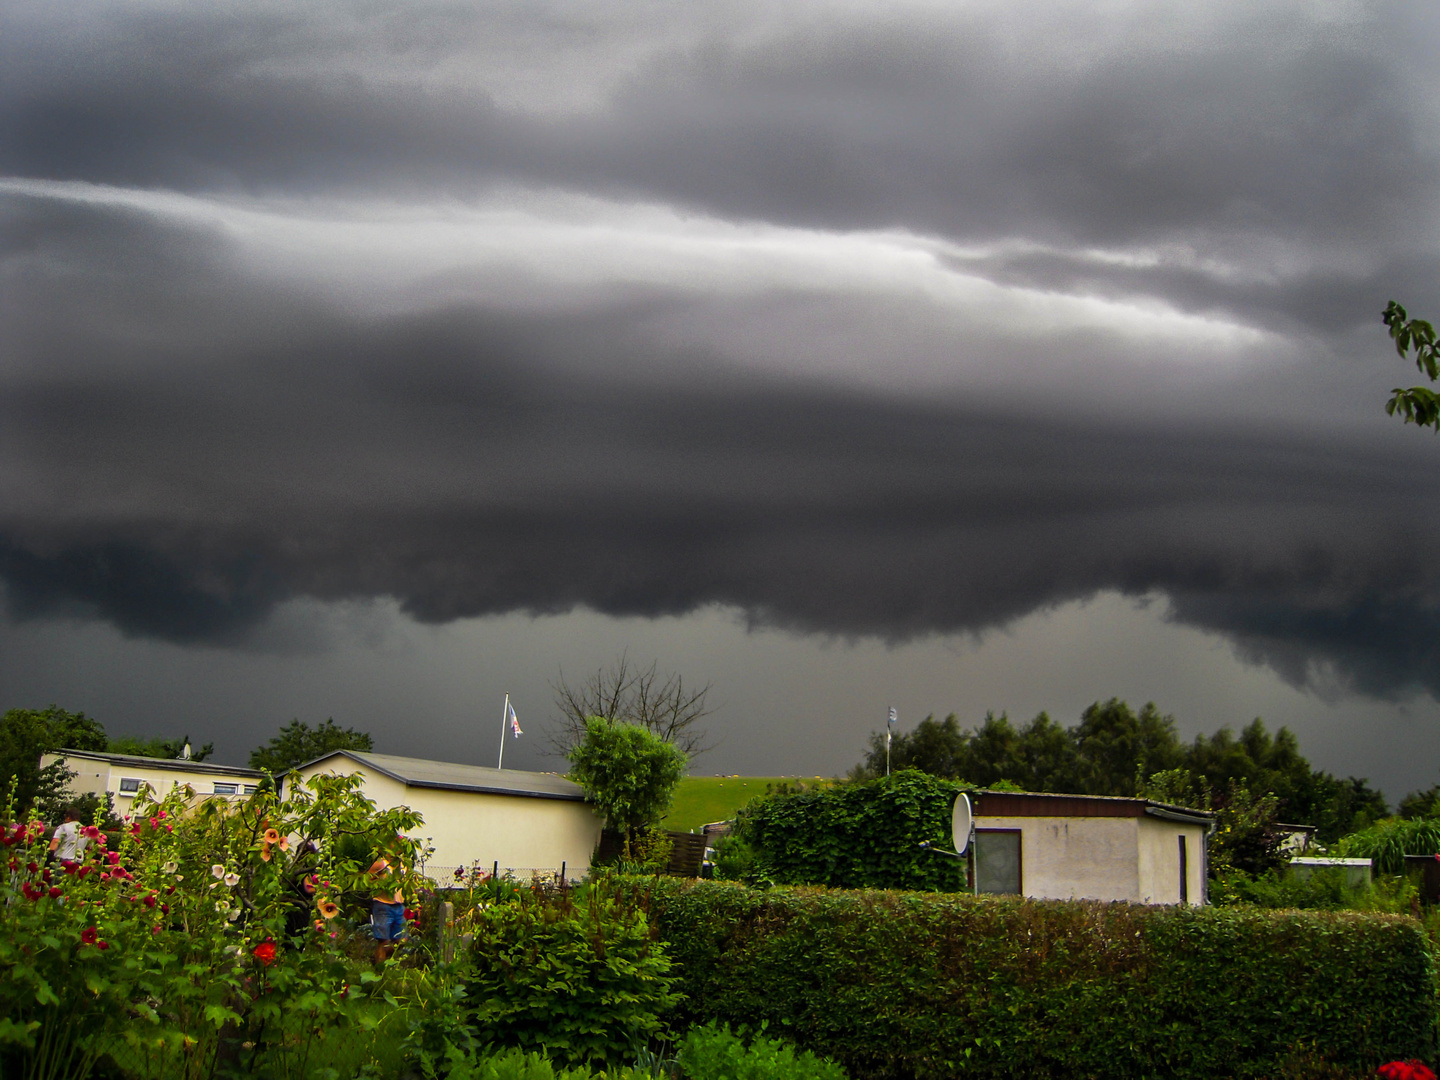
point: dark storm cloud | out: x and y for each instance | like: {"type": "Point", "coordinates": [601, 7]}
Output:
{"type": "Point", "coordinates": [212, 405]}
{"type": "Point", "coordinates": [236, 446]}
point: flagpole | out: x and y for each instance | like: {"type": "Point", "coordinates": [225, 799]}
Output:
{"type": "Point", "coordinates": [504, 715]}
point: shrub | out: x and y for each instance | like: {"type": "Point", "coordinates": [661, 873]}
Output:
{"type": "Point", "coordinates": [907, 984]}
{"type": "Point", "coordinates": [713, 1053]}
{"type": "Point", "coordinates": [862, 835]}
{"type": "Point", "coordinates": [628, 772]}
{"type": "Point", "coordinates": [575, 971]}
{"type": "Point", "coordinates": [1388, 842]}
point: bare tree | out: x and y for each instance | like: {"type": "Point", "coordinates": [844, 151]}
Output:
{"type": "Point", "coordinates": [662, 703]}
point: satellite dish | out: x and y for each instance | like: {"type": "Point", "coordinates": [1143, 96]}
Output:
{"type": "Point", "coordinates": [960, 822]}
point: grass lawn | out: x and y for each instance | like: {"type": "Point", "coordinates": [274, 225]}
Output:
{"type": "Point", "coordinates": [703, 799]}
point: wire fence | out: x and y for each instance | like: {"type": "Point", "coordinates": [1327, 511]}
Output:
{"type": "Point", "coordinates": [468, 877]}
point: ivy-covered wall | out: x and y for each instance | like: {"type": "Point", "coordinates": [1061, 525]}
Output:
{"type": "Point", "coordinates": [857, 836]}
{"type": "Point", "coordinates": [923, 985]}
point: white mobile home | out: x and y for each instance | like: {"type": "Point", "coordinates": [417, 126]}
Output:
{"type": "Point", "coordinates": [522, 821]}
{"type": "Point", "coordinates": [122, 775]}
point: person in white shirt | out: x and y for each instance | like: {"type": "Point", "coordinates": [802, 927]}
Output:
{"type": "Point", "coordinates": [67, 844]}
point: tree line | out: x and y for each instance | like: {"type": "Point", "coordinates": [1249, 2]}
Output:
{"type": "Point", "coordinates": [1116, 750]}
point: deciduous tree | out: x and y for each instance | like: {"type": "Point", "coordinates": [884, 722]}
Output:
{"type": "Point", "coordinates": [298, 743]}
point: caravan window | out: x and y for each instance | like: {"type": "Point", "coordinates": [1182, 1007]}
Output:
{"type": "Point", "coordinates": [226, 789]}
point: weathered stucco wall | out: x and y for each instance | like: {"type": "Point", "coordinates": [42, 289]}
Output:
{"type": "Point", "coordinates": [1065, 858]}
{"type": "Point", "coordinates": [1159, 844]}
{"type": "Point", "coordinates": [465, 827]}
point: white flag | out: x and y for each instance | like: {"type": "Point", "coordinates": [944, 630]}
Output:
{"type": "Point", "coordinates": [514, 720]}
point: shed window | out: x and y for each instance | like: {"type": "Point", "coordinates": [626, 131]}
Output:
{"type": "Point", "coordinates": [129, 786]}
{"type": "Point", "coordinates": [226, 789]}
{"type": "Point", "coordinates": [997, 861]}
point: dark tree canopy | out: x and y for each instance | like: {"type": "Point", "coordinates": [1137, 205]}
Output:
{"type": "Point", "coordinates": [298, 743]}
{"type": "Point", "coordinates": [25, 734]}
{"type": "Point", "coordinates": [1115, 750]}
{"type": "Point", "coordinates": [662, 704]}
{"type": "Point", "coordinates": [159, 747]}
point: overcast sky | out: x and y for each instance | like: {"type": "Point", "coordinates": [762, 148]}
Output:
{"type": "Point", "coordinates": [369, 362]}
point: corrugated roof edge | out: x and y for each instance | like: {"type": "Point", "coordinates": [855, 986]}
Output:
{"type": "Point", "coordinates": [159, 763]}
{"type": "Point", "coordinates": [482, 789]}
{"type": "Point", "coordinates": [1151, 806]}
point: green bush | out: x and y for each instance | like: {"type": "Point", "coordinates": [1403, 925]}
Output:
{"type": "Point", "coordinates": [712, 1052]}
{"type": "Point", "coordinates": [1388, 842]}
{"type": "Point", "coordinates": [577, 972]}
{"type": "Point", "coordinates": [516, 1064]}
{"type": "Point", "coordinates": [1323, 889]}
{"type": "Point", "coordinates": [856, 836]}
{"type": "Point", "coordinates": [916, 985]}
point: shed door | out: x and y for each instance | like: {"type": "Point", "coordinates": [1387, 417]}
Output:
{"type": "Point", "coordinates": [1184, 870]}
{"type": "Point", "coordinates": [997, 861]}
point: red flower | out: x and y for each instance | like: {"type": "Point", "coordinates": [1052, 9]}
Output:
{"type": "Point", "coordinates": [165, 909]}
{"type": "Point", "coordinates": [102, 944]}
{"type": "Point", "coordinates": [55, 891]}
{"type": "Point", "coordinates": [1413, 1069]}
{"type": "Point", "coordinates": [411, 914]}
{"type": "Point", "coordinates": [45, 874]}
{"type": "Point", "coordinates": [83, 871]}
{"type": "Point", "coordinates": [31, 867]}
{"type": "Point", "coordinates": [30, 892]}
{"type": "Point", "coordinates": [90, 832]}
{"type": "Point", "coordinates": [89, 936]}
{"type": "Point", "coordinates": [71, 866]}
{"type": "Point", "coordinates": [112, 857]}
{"type": "Point", "coordinates": [265, 952]}
{"type": "Point", "coordinates": [150, 900]}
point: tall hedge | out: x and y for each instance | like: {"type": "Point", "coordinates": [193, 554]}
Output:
{"type": "Point", "coordinates": [857, 836]}
{"type": "Point", "coordinates": [925, 985]}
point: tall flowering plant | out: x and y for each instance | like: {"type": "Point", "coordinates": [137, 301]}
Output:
{"type": "Point", "coordinates": [206, 936]}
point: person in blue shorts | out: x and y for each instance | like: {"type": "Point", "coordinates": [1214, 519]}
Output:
{"type": "Point", "coordinates": [387, 910]}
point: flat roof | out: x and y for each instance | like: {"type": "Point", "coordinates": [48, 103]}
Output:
{"type": "Point", "coordinates": [1054, 804]}
{"type": "Point", "coordinates": [449, 776]}
{"type": "Point", "coordinates": [139, 762]}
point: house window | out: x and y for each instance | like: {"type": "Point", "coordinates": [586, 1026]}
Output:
{"type": "Point", "coordinates": [997, 861]}
{"type": "Point", "coordinates": [1184, 871]}
{"type": "Point", "coordinates": [250, 789]}
{"type": "Point", "coordinates": [226, 789]}
{"type": "Point", "coordinates": [129, 786]}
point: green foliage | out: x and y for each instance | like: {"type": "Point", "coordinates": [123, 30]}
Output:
{"type": "Point", "coordinates": [628, 772]}
{"type": "Point", "coordinates": [861, 835]}
{"type": "Point", "coordinates": [1420, 804]}
{"type": "Point", "coordinates": [159, 747]}
{"type": "Point", "coordinates": [916, 985]}
{"type": "Point", "coordinates": [576, 971]}
{"type": "Point", "coordinates": [712, 1052]}
{"type": "Point", "coordinates": [1113, 748]}
{"type": "Point", "coordinates": [25, 734]}
{"type": "Point", "coordinates": [516, 1064]}
{"type": "Point", "coordinates": [1388, 842]}
{"type": "Point", "coordinates": [1417, 405]}
{"type": "Point", "coordinates": [190, 943]}
{"type": "Point", "coordinates": [1246, 836]}
{"type": "Point", "coordinates": [297, 743]}
{"type": "Point", "coordinates": [1323, 889]}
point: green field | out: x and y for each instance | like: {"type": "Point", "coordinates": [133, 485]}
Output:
{"type": "Point", "coordinates": [700, 800]}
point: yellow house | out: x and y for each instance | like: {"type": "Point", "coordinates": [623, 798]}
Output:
{"type": "Point", "coordinates": [1089, 847]}
{"type": "Point", "coordinates": [122, 775]}
{"type": "Point", "coordinates": [525, 822]}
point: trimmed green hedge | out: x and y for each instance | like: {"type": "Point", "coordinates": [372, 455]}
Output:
{"type": "Point", "coordinates": [925, 985]}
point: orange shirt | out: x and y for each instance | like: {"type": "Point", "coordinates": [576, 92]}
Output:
{"type": "Point", "coordinates": [381, 868]}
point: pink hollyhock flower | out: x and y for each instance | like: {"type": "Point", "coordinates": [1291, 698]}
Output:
{"type": "Point", "coordinates": [83, 871]}
{"type": "Point", "coordinates": [90, 832]}
{"type": "Point", "coordinates": [113, 858]}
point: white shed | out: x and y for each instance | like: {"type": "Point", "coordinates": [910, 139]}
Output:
{"type": "Point", "coordinates": [1089, 847]}
{"type": "Point", "coordinates": [522, 821]}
